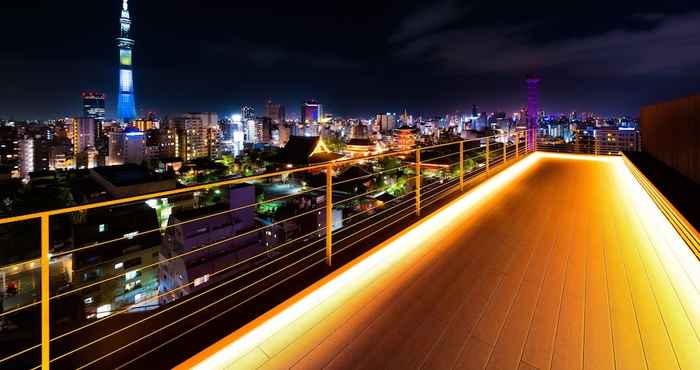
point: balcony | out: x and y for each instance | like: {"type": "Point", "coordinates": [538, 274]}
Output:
{"type": "Point", "coordinates": [497, 258]}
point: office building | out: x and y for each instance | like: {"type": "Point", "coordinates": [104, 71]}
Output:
{"type": "Point", "coordinates": [94, 107]}
{"type": "Point", "coordinates": [617, 139]}
{"type": "Point", "coordinates": [128, 264]}
{"type": "Point", "coordinates": [247, 112]}
{"type": "Point", "coordinates": [385, 122]}
{"type": "Point", "coordinates": [199, 135]}
{"type": "Point", "coordinates": [311, 112]}
{"type": "Point", "coordinates": [128, 146]}
{"type": "Point", "coordinates": [82, 135]}
{"type": "Point", "coordinates": [228, 230]}
{"type": "Point", "coordinates": [26, 158]}
{"type": "Point", "coordinates": [275, 112]}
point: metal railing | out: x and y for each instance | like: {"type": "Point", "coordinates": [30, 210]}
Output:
{"type": "Point", "coordinates": [587, 145]}
{"type": "Point", "coordinates": [158, 266]}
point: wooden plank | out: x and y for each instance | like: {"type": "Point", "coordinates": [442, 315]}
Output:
{"type": "Point", "coordinates": [598, 344]}
{"type": "Point", "coordinates": [605, 295]}
{"type": "Point", "coordinates": [355, 327]}
{"type": "Point", "coordinates": [627, 342]}
{"type": "Point", "coordinates": [683, 338]}
{"type": "Point", "coordinates": [526, 366]}
{"type": "Point", "coordinates": [671, 257]}
{"type": "Point", "coordinates": [346, 324]}
{"type": "Point", "coordinates": [251, 360]}
{"type": "Point", "coordinates": [447, 349]}
{"type": "Point", "coordinates": [539, 345]}
{"type": "Point", "coordinates": [414, 347]}
{"type": "Point", "coordinates": [475, 355]}
{"type": "Point", "coordinates": [403, 314]}
{"type": "Point", "coordinates": [568, 342]}
{"type": "Point", "coordinates": [658, 350]}
{"type": "Point", "coordinates": [442, 283]}
{"type": "Point", "coordinates": [512, 337]}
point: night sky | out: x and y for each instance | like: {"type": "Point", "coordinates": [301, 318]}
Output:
{"type": "Point", "coordinates": [356, 57]}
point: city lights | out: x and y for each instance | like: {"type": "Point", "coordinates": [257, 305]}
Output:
{"type": "Point", "coordinates": [431, 189]}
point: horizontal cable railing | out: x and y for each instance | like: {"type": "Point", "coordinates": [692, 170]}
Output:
{"type": "Point", "coordinates": [587, 145]}
{"type": "Point", "coordinates": [114, 274]}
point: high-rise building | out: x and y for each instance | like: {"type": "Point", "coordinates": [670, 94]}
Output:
{"type": "Point", "coordinates": [82, 134]}
{"type": "Point", "coordinates": [26, 157]}
{"type": "Point", "coordinates": [116, 149]}
{"type": "Point", "coordinates": [311, 111]}
{"type": "Point", "coordinates": [280, 135]}
{"type": "Point", "coordinates": [247, 112]}
{"type": "Point", "coordinates": [275, 112]}
{"type": "Point", "coordinates": [162, 143]}
{"type": "Point", "coordinates": [94, 107]}
{"type": "Point", "coordinates": [385, 122]}
{"type": "Point", "coordinates": [144, 124]}
{"type": "Point", "coordinates": [128, 146]}
{"type": "Point", "coordinates": [198, 135]}
{"type": "Point", "coordinates": [126, 103]}
{"type": "Point", "coordinates": [532, 107]}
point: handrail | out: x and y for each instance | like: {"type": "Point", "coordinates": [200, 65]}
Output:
{"type": "Point", "coordinates": [215, 184]}
{"type": "Point", "coordinates": [683, 227]}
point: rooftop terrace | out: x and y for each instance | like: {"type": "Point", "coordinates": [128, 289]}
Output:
{"type": "Point", "coordinates": [494, 257]}
{"type": "Point", "coordinates": [558, 262]}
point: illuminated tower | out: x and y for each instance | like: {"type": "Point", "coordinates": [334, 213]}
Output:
{"type": "Point", "coordinates": [126, 105]}
{"type": "Point", "coordinates": [532, 99]}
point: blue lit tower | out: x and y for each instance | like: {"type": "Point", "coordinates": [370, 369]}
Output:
{"type": "Point", "coordinates": [126, 105]}
{"type": "Point", "coordinates": [532, 107]}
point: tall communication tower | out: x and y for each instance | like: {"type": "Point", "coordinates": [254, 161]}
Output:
{"type": "Point", "coordinates": [126, 105]}
{"type": "Point", "coordinates": [532, 109]}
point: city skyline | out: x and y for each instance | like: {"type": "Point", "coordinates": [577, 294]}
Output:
{"type": "Point", "coordinates": [226, 61]}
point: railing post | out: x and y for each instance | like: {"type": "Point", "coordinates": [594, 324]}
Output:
{"type": "Point", "coordinates": [45, 274]}
{"type": "Point", "coordinates": [488, 153]}
{"type": "Point", "coordinates": [517, 140]}
{"type": "Point", "coordinates": [418, 179]}
{"type": "Point", "coordinates": [527, 141]}
{"type": "Point", "coordinates": [461, 165]}
{"type": "Point", "coordinates": [505, 143]}
{"type": "Point", "coordinates": [329, 213]}
{"type": "Point", "coordinates": [596, 147]}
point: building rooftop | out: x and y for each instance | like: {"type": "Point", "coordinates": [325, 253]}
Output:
{"type": "Point", "coordinates": [304, 150]}
{"type": "Point", "coordinates": [126, 174]}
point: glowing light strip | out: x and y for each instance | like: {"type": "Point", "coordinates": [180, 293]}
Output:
{"type": "Point", "coordinates": [386, 254]}
{"type": "Point", "coordinates": [676, 258]}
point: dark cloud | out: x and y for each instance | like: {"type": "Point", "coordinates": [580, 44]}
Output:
{"type": "Point", "coordinates": [428, 20]}
{"type": "Point", "coordinates": [671, 47]}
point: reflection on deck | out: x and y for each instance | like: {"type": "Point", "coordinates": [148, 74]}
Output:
{"type": "Point", "coordinates": [559, 262]}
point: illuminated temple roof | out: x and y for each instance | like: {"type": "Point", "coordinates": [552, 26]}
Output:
{"type": "Point", "coordinates": [304, 150]}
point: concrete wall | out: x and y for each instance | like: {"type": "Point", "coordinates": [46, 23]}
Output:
{"type": "Point", "coordinates": [671, 134]}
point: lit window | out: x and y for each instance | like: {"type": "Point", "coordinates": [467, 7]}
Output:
{"type": "Point", "coordinates": [125, 80]}
{"type": "Point", "coordinates": [131, 235]}
{"type": "Point", "coordinates": [88, 300]}
{"type": "Point", "coordinates": [201, 280]}
{"type": "Point", "coordinates": [131, 285]}
{"type": "Point", "coordinates": [118, 265]}
{"type": "Point", "coordinates": [130, 275]}
{"type": "Point", "coordinates": [102, 228]}
{"type": "Point", "coordinates": [104, 311]}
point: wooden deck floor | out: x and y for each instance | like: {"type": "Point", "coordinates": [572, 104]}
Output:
{"type": "Point", "coordinates": [557, 270]}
